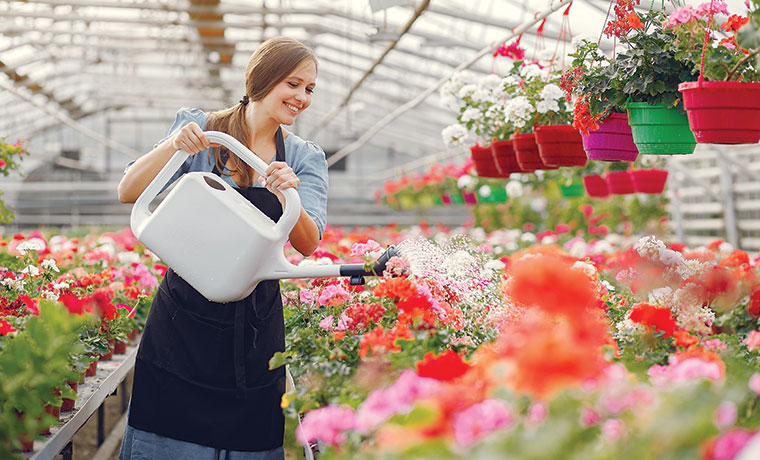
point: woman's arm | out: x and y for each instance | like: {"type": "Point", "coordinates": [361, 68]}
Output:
{"type": "Point", "coordinates": [305, 234]}
{"type": "Point", "coordinates": [189, 138]}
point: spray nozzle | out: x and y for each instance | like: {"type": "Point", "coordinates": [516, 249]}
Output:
{"type": "Point", "coordinates": [357, 272]}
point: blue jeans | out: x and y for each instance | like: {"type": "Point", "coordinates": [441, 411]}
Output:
{"type": "Point", "coordinates": [142, 445]}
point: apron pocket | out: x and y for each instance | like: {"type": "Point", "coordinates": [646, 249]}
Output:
{"type": "Point", "coordinates": [205, 353]}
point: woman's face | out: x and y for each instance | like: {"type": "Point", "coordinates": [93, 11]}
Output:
{"type": "Point", "coordinates": [293, 94]}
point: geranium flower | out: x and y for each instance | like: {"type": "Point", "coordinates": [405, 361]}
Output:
{"type": "Point", "coordinates": [6, 328]}
{"type": "Point", "coordinates": [395, 288]}
{"type": "Point", "coordinates": [479, 420]}
{"type": "Point", "coordinates": [333, 295]}
{"type": "Point", "coordinates": [447, 366]}
{"type": "Point", "coordinates": [728, 445]}
{"type": "Point", "coordinates": [658, 318]}
{"type": "Point", "coordinates": [328, 424]}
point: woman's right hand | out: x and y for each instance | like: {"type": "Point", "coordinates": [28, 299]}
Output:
{"type": "Point", "coordinates": [190, 138]}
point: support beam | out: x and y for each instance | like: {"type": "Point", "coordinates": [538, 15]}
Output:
{"type": "Point", "coordinates": [555, 5]}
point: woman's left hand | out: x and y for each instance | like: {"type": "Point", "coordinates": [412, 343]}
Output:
{"type": "Point", "coordinates": [279, 177]}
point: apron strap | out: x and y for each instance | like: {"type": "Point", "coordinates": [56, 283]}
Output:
{"type": "Point", "coordinates": [239, 347]}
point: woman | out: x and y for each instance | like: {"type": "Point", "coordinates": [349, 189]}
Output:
{"type": "Point", "coordinates": [202, 385]}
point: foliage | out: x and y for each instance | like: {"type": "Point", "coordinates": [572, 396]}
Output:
{"type": "Point", "coordinates": [10, 158]}
{"type": "Point", "coordinates": [724, 57]}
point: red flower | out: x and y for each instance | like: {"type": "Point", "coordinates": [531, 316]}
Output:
{"type": "Point", "coordinates": [379, 340]}
{"type": "Point", "coordinates": [735, 259]}
{"type": "Point", "coordinates": [6, 328]}
{"type": "Point", "coordinates": [734, 23]}
{"type": "Point", "coordinates": [395, 288]}
{"type": "Point", "coordinates": [447, 366]}
{"type": "Point", "coordinates": [684, 339]}
{"type": "Point", "coordinates": [75, 305]}
{"type": "Point", "coordinates": [658, 318]}
{"type": "Point", "coordinates": [753, 307]}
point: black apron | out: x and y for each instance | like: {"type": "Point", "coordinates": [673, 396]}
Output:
{"type": "Point", "coordinates": [202, 371]}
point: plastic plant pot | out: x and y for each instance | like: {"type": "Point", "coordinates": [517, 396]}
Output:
{"type": "Point", "coordinates": [485, 165]}
{"type": "Point", "coordinates": [649, 180]}
{"type": "Point", "coordinates": [657, 129]}
{"type": "Point", "coordinates": [505, 158]}
{"type": "Point", "coordinates": [596, 186]}
{"type": "Point", "coordinates": [526, 151]}
{"type": "Point", "coordinates": [560, 145]}
{"type": "Point", "coordinates": [612, 141]}
{"type": "Point", "coordinates": [723, 112]}
{"type": "Point", "coordinates": [619, 182]}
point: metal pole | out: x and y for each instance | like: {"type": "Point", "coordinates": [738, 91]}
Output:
{"type": "Point", "coordinates": [101, 423]}
{"type": "Point", "coordinates": [729, 211]}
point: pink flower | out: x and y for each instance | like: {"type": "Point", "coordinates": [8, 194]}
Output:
{"type": "Point", "coordinates": [364, 249]}
{"type": "Point", "coordinates": [613, 429]}
{"type": "Point", "coordinates": [714, 345]}
{"type": "Point", "coordinates": [485, 248]}
{"type": "Point", "coordinates": [2, 163]}
{"type": "Point", "coordinates": [754, 383]}
{"type": "Point", "coordinates": [537, 412]}
{"type": "Point", "coordinates": [725, 415]}
{"type": "Point", "coordinates": [753, 340]}
{"type": "Point", "coordinates": [306, 296]}
{"type": "Point", "coordinates": [717, 8]}
{"type": "Point", "coordinates": [327, 424]}
{"type": "Point", "coordinates": [589, 417]}
{"type": "Point", "coordinates": [399, 397]}
{"type": "Point", "coordinates": [685, 371]}
{"type": "Point", "coordinates": [327, 323]}
{"type": "Point", "coordinates": [634, 398]}
{"type": "Point", "coordinates": [479, 420]}
{"type": "Point", "coordinates": [729, 444]}
{"type": "Point", "coordinates": [680, 15]}
{"type": "Point", "coordinates": [333, 295]}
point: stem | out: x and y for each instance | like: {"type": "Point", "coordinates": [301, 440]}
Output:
{"type": "Point", "coordinates": [741, 63]}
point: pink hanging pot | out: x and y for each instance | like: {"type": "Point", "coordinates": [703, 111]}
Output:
{"type": "Point", "coordinates": [612, 141]}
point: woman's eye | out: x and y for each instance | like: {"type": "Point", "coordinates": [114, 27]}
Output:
{"type": "Point", "coordinates": [292, 85]}
{"type": "Point", "coordinates": [309, 90]}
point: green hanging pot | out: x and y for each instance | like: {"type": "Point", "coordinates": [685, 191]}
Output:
{"type": "Point", "coordinates": [573, 189]}
{"type": "Point", "coordinates": [495, 195]}
{"type": "Point", "coordinates": [660, 130]}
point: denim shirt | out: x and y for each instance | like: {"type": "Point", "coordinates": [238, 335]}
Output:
{"type": "Point", "coordinates": [305, 157]}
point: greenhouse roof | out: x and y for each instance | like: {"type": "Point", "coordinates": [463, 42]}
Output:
{"type": "Point", "coordinates": [380, 60]}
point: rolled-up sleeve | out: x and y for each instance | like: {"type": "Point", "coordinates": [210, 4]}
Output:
{"type": "Point", "coordinates": [311, 168]}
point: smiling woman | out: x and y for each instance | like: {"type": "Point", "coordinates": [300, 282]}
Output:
{"type": "Point", "coordinates": [202, 386]}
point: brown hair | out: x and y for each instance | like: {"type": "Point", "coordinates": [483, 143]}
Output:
{"type": "Point", "coordinates": [272, 62]}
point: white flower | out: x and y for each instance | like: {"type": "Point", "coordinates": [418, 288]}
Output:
{"type": "Point", "coordinates": [725, 247]}
{"type": "Point", "coordinates": [518, 111]}
{"type": "Point", "coordinates": [50, 295]}
{"type": "Point", "coordinates": [670, 257]}
{"type": "Point", "coordinates": [549, 239]}
{"type": "Point", "coordinates": [455, 134]}
{"type": "Point", "coordinates": [661, 296]}
{"type": "Point", "coordinates": [608, 286]}
{"type": "Point", "coordinates": [495, 264]}
{"type": "Point", "coordinates": [16, 285]}
{"type": "Point", "coordinates": [32, 244]}
{"type": "Point", "coordinates": [490, 81]}
{"type": "Point", "coordinates": [552, 92]}
{"type": "Point", "coordinates": [128, 257]}
{"type": "Point", "coordinates": [465, 181]}
{"type": "Point", "coordinates": [496, 111]}
{"type": "Point", "coordinates": [61, 285]}
{"type": "Point", "coordinates": [528, 237]}
{"type": "Point", "coordinates": [514, 189]}
{"type": "Point", "coordinates": [546, 54]}
{"type": "Point", "coordinates": [530, 71]}
{"type": "Point", "coordinates": [484, 191]}
{"type": "Point", "coordinates": [585, 267]}
{"type": "Point", "coordinates": [544, 106]}
{"type": "Point", "coordinates": [32, 270]}
{"type": "Point", "coordinates": [538, 204]}
{"type": "Point", "coordinates": [467, 91]}
{"type": "Point", "coordinates": [470, 114]}
{"type": "Point", "coordinates": [649, 247]}
{"type": "Point", "coordinates": [49, 264]}
{"type": "Point", "coordinates": [483, 95]}
{"type": "Point", "coordinates": [510, 80]}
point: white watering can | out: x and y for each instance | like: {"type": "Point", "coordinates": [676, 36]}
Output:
{"type": "Point", "coordinates": [219, 242]}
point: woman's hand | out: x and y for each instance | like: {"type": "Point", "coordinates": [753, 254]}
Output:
{"type": "Point", "coordinates": [191, 139]}
{"type": "Point", "coordinates": [280, 176]}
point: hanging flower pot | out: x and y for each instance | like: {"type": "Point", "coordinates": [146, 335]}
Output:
{"type": "Point", "coordinates": [469, 197]}
{"type": "Point", "coordinates": [596, 186]}
{"type": "Point", "coordinates": [573, 189]}
{"type": "Point", "coordinates": [526, 151]}
{"type": "Point", "coordinates": [406, 202]}
{"type": "Point", "coordinates": [560, 145]}
{"type": "Point", "coordinates": [504, 155]}
{"type": "Point", "coordinates": [723, 112]}
{"type": "Point", "coordinates": [619, 182]}
{"type": "Point", "coordinates": [425, 201]}
{"type": "Point", "coordinates": [658, 129]}
{"type": "Point", "coordinates": [612, 141]}
{"type": "Point", "coordinates": [488, 194]}
{"type": "Point", "coordinates": [649, 180]}
{"type": "Point", "coordinates": [485, 166]}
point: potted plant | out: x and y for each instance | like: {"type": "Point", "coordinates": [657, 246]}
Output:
{"type": "Point", "coordinates": [480, 106]}
{"type": "Point", "coordinates": [648, 75]}
{"type": "Point", "coordinates": [649, 174]}
{"type": "Point", "coordinates": [596, 186]}
{"type": "Point", "coordinates": [618, 178]}
{"type": "Point", "coordinates": [723, 104]}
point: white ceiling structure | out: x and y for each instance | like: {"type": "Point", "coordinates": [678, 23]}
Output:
{"type": "Point", "coordinates": [380, 60]}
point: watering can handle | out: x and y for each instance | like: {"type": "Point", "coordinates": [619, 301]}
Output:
{"type": "Point", "coordinates": [291, 210]}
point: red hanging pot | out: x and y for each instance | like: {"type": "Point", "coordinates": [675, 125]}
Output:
{"type": "Point", "coordinates": [526, 151]}
{"type": "Point", "coordinates": [649, 180]}
{"type": "Point", "coordinates": [482, 158]}
{"type": "Point", "coordinates": [596, 186]}
{"type": "Point", "coordinates": [506, 160]}
{"type": "Point", "coordinates": [560, 145]}
{"type": "Point", "coordinates": [612, 141]}
{"type": "Point", "coordinates": [723, 112]}
{"type": "Point", "coordinates": [619, 182]}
